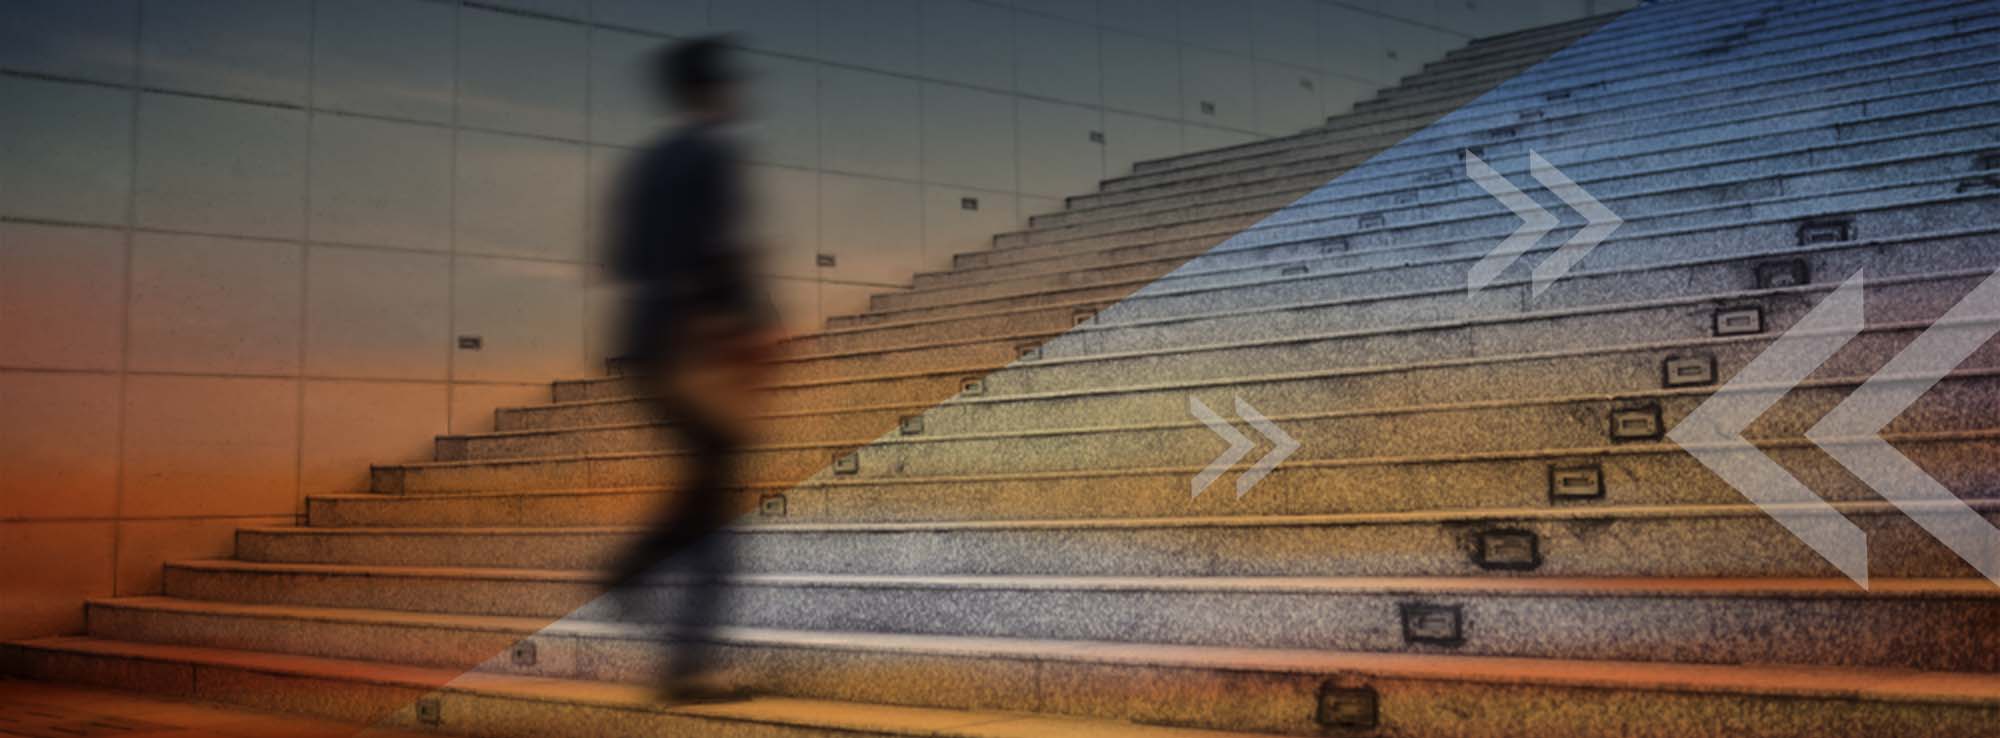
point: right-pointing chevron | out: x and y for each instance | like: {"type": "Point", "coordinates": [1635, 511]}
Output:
{"type": "Point", "coordinates": [1239, 445]}
{"type": "Point", "coordinates": [1600, 223]}
{"type": "Point", "coordinates": [1284, 445]}
{"type": "Point", "coordinates": [1535, 223]}
{"type": "Point", "coordinates": [1914, 371]}
{"type": "Point", "coordinates": [1713, 433]}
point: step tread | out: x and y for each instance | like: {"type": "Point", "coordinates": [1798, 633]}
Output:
{"type": "Point", "coordinates": [1451, 323]}
{"type": "Point", "coordinates": [1069, 393]}
{"type": "Point", "coordinates": [878, 441]}
{"type": "Point", "coordinates": [1579, 512]}
{"type": "Point", "coordinates": [1621, 449]}
{"type": "Point", "coordinates": [1868, 684]}
{"type": "Point", "coordinates": [1788, 587]}
{"type": "Point", "coordinates": [843, 716]}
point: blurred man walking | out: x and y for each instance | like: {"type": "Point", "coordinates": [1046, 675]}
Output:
{"type": "Point", "coordinates": [698, 325]}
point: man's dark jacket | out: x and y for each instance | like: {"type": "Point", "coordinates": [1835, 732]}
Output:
{"type": "Point", "coordinates": [678, 242]}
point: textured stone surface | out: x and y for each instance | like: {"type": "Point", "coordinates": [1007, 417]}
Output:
{"type": "Point", "coordinates": [1033, 561]}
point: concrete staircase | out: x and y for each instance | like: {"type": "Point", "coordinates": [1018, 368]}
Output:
{"type": "Point", "coordinates": [973, 517]}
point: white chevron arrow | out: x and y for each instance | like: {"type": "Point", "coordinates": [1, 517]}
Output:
{"type": "Point", "coordinates": [1914, 371]}
{"type": "Point", "coordinates": [1600, 222]}
{"type": "Point", "coordinates": [1240, 446]}
{"type": "Point", "coordinates": [1713, 433]}
{"type": "Point", "coordinates": [1535, 223]}
{"type": "Point", "coordinates": [1282, 447]}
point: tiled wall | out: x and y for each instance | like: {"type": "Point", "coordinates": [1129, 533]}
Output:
{"type": "Point", "coordinates": [240, 239]}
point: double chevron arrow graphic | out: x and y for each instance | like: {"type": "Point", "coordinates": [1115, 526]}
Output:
{"type": "Point", "coordinates": [1240, 446]}
{"type": "Point", "coordinates": [1851, 432]}
{"type": "Point", "coordinates": [1537, 222]}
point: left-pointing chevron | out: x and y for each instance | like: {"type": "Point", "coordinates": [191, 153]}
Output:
{"type": "Point", "coordinates": [1914, 371]}
{"type": "Point", "coordinates": [1713, 433]}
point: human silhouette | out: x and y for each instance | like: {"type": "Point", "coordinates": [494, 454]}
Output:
{"type": "Point", "coordinates": [697, 326]}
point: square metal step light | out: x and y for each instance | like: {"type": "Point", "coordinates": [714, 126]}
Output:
{"type": "Point", "coordinates": [1687, 371]}
{"type": "Point", "coordinates": [430, 711]}
{"type": "Point", "coordinates": [1369, 220]}
{"type": "Point", "coordinates": [1569, 483]}
{"type": "Point", "coordinates": [910, 425]}
{"type": "Point", "coordinates": [1028, 352]}
{"type": "Point", "coordinates": [772, 506]}
{"type": "Point", "coordinates": [1783, 273]}
{"type": "Point", "coordinates": [1294, 271]}
{"type": "Point", "coordinates": [1826, 230]}
{"type": "Point", "coordinates": [972, 386]}
{"type": "Point", "coordinates": [1739, 321]}
{"type": "Point", "coordinates": [1637, 423]}
{"type": "Point", "coordinates": [1433, 625]}
{"type": "Point", "coordinates": [523, 653]}
{"type": "Point", "coordinates": [1507, 549]}
{"type": "Point", "coordinates": [1353, 708]}
{"type": "Point", "coordinates": [847, 463]}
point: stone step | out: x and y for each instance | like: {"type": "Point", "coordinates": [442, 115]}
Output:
{"type": "Point", "coordinates": [357, 566]}
{"type": "Point", "coordinates": [1527, 422]}
{"type": "Point", "coordinates": [1961, 402]}
{"type": "Point", "coordinates": [1661, 28]}
{"type": "Point", "coordinates": [1450, 209]}
{"type": "Point", "coordinates": [1269, 690]}
{"type": "Point", "coordinates": [1115, 268]}
{"type": "Point", "coordinates": [1609, 112]}
{"type": "Point", "coordinates": [1713, 621]}
{"type": "Point", "coordinates": [1285, 188]}
{"type": "Point", "coordinates": [1419, 159]}
{"type": "Point", "coordinates": [1571, 480]}
{"type": "Point", "coordinates": [1427, 280]}
{"type": "Point", "coordinates": [503, 706]}
{"type": "Point", "coordinates": [1632, 308]}
{"type": "Point", "coordinates": [1326, 217]}
{"type": "Point", "coordinates": [1885, 24]}
{"type": "Point", "coordinates": [1687, 317]}
{"type": "Point", "coordinates": [1548, 60]}
{"type": "Point", "coordinates": [1581, 369]}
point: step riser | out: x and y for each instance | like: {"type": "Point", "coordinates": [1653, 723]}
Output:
{"type": "Point", "coordinates": [1614, 125]}
{"type": "Point", "coordinates": [1649, 476]}
{"type": "Point", "coordinates": [1713, 277]}
{"type": "Point", "coordinates": [1686, 321]}
{"type": "Point", "coordinates": [1473, 217]}
{"type": "Point", "coordinates": [1745, 544]}
{"type": "Point", "coordinates": [386, 706]}
{"type": "Point", "coordinates": [1597, 106]}
{"type": "Point", "coordinates": [1460, 215]}
{"type": "Point", "coordinates": [1940, 110]}
{"type": "Point", "coordinates": [1265, 701]}
{"type": "Point", "coordinates": [1415, 159]}
{"type": "Point", "coordinates": [1951, 406]}
{"type": "Point", "coordinates": [1597, 372]}
{"type": "Point", "coordinates": [1603, 178]}
{"type": "Point", "coordinates": [1366, 289]}
{"type": "Point", "coordinates": [1954, 405]}
{"type": "Point", "coordinates": [1035, 377]}
{"type": "Point", "coordinates": [1502, 106]}
{"type": "Point", "coordinates": [1777, 629]}
{"type": "Point", "coordinates": [804, 429]}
